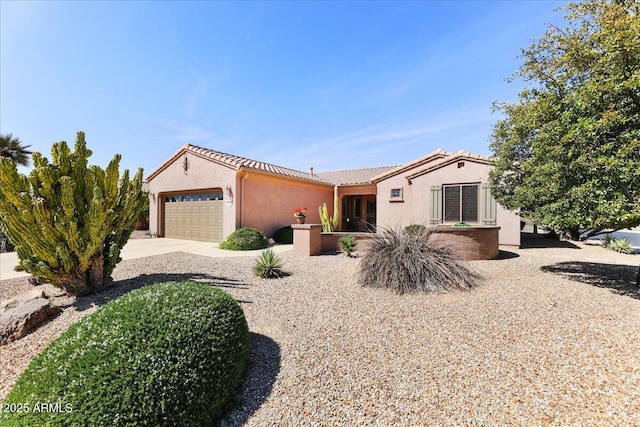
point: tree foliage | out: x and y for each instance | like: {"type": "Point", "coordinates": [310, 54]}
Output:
{"type": "Point", "coordinates": [67, 220]}
{"type": "Point", "coordinates": [568, 152]}
{"type": "Point", "coordinates": [13, 149]}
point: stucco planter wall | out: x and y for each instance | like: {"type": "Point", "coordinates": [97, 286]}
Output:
{"type": "Point", "coordinates": [473, 243]}
{"type": "Point", "coordinates": [309, 240]}
{"type": "Point", "coordinates": [330, 240]}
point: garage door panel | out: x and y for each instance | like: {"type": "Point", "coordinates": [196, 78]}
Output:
{"type": "Point", "coordinates": [194, 220]}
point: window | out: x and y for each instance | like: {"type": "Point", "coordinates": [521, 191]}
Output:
{"type": "Point", "coordinates": [461, 203]}
{"type": "Point", "coordinates": [396, 194]}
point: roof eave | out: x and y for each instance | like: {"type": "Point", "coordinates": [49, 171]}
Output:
{"type": "Point", "coordinates": [188, 148]}
{"type": "Point", "coordinates": [447, 161]}
{"type": "Point", "coordinates": [283, 176]}
{"type": "Point", "coordinates": [410, 165]}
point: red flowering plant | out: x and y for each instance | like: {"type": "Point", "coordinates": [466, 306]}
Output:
{"type": "Point", "coordinates": [300, 213]}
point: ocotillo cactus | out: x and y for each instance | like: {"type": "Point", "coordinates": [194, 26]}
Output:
{"type": "Point", "coordinates": [69, 221]}
{"type": "Point", "coordinates": [329, 223]}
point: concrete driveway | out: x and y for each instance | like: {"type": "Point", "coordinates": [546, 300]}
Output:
{"type": "Point", "coordinates": [140, 248]}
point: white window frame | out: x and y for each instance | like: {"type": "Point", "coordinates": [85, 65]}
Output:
{"type": "Point", "coordinates": [399, 198]}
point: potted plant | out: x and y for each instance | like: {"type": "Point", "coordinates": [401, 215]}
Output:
{"type": "Point", "coordinates": [300, 214]}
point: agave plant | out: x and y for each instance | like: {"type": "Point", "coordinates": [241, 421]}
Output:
{"type": "Point", "coordinates": [621, 245]}
{"type": "Point", "coordinates": [268, 265]}
{"type": "Point", "coordinates": [607, 241]}
{"type": "Point", "coordinates": [618, 244]}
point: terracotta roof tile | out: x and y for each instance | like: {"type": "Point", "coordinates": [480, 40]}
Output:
{"type": "Point", "coordinates": [362, 176]}
{"type": "Point", "coordinates": [353, 176]}
{"type": "Point", "coordinates": [448, 160]}
{"type": "Point", "coordinates": [238, 162]}
{"type": "Point", "coordinates": [439, 153]}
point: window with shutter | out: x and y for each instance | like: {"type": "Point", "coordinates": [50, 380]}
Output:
{"type": "Point", "coordinates": [436, 204]}
{"type": "Point", "coordinates": [461, 203]}
{"type": "Point", "coordinates": [489, 206]}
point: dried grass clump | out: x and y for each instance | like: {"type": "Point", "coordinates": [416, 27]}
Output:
{"type": "Point", "coordinates": [408, 262]}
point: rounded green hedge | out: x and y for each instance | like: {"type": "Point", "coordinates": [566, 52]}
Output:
{"type": "Point", "coordinates": [170, 354]}
{"type": "Point", "coordinates": [245, 239]}
{"type": "Point", "coordinates": [284, 235]}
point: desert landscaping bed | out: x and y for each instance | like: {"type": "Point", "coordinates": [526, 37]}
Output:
{"type": "Point", "coordinates": [550, 336]}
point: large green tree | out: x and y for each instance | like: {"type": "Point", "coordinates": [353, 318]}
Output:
{"type": "Point", "coordinates": [568, 152]}
{"type": "Point", "coordinates": [68, 220]}
{"type": "Point", "coordinates": [13, 149]}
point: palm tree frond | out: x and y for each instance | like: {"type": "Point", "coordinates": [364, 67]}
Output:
{"type": "Point", "coordinates": [13, 149]}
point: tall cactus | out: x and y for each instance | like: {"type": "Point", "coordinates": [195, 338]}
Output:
{"type": "Point", "coordinates": [67, 220]}
{"type": "Point", "coordinates": [330, 223]}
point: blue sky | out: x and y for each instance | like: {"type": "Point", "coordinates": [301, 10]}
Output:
{"type": "Point", "coordinates": [334, 85]}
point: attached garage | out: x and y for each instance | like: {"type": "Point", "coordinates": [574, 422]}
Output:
{"type": "Point", "coordinates": [194, 216]}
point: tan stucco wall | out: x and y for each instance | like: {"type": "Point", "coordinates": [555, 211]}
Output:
{"type": "Point", "coordinates": [267, 202]}
{"type": "Point", "coordinates": [509, 223]}
{"type": "Point", "coordinates": [202, 174]}
{"type": "Point", "coordinates": [418, 210]}
{"type": "Point", "coordinates": [395, 214]}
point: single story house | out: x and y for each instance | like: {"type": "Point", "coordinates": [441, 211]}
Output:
{"type": "Point", "coordinates": [203, 194]}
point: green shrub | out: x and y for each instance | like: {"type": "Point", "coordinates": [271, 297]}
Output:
{"type": "Point", "coordinates": [284, 235]}
{"type": "Point", "coordinates": [412, 262]}
{"type": "Point", "coordinates": [348, 244]}
{"type": "Point", "coordinates": [460, 224]}
{"type": "Point", "coordinates": [245, 239]}
{"type": "Point", "coordinates": [169, 354]}
{"type": "Point", "coordinates": [268, 265]}
{"type": "Point", "coordinates": [415, 229]}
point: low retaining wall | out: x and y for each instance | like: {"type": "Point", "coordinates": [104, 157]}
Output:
{"type": "Point", "coordinates": [472, 243]}
{"type": "Point", "coordinates": [329, 241]}
{"type": "Point", "coordinates": [309, 240]}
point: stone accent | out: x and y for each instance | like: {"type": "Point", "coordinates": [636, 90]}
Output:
{"type": "Point", "coordinates": [22, 314]}
{"type": "Point", "coordinates": [21, 299]}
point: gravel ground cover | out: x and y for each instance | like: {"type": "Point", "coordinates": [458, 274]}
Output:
{"type": "Point", "coordinates": [549, 337]}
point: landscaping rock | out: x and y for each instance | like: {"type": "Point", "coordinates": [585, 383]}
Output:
{"type": "Point", "coordinates": [21, 299]}
{"type": "Point", "coordinates": [22, 317]}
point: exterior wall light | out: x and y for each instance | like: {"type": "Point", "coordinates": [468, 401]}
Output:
{"type": "Point", "coordinates": [228, 196]}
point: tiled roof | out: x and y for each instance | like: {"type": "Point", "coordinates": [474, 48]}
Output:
{"type": "Point", "coordinates": [432, 161]}
{"type": "Point", "coordinates": [439, 153]}
{"type": "Point", "coordinates": [460, 155]}
{"type": "Point", "coordinates": [238, 162]}
{"type": "Point", "coordinates": [353, 176]}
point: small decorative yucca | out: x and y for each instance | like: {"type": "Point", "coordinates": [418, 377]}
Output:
{"type": "Point", "coordinates": [268, 265]}
{"type": "Point", "coordinates": [348, 244]}
{"type": "Point", "coordinates": [618, 244]}
{"type": "Point", "coordinates": [622, 245]}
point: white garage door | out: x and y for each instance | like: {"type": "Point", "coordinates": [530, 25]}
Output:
{"type": "Point", "coordinates": [194, 216]}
